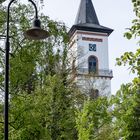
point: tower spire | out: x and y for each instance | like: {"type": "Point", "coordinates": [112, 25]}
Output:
{"type": "Point", "coordinates": [86, 13]}
{"type": "Point", "coordinates": [87, 20]}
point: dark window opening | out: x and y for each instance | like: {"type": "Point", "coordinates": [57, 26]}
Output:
{"type": "Point", "coordinates": [92, 64]}
{"type": "Point", "coordinates": [94, 93]}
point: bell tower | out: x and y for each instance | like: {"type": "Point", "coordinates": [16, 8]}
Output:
{"type": "Point", "coordinates": [89, 52]}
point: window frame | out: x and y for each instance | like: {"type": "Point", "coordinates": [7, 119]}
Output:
{"type": "Point", "coordinates": [96, 67]}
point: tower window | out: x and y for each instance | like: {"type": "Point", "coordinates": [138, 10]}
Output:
{"type": "Point", "coordinates": [92, 64]}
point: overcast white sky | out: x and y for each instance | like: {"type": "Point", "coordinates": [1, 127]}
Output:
{"type": "Point", "coordinates": [115, 14]}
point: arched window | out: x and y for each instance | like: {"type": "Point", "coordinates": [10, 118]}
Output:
{"type": "Point", "coordinates": [92, 64]}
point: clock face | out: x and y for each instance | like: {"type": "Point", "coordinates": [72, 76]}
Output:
{"type": "Point", "coordinates": [92, 47]}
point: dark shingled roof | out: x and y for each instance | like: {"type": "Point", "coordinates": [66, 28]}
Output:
{"type": "Point", "coordinates": [86, 13]}
{"type": "Point", "coordinates": [87, 20]}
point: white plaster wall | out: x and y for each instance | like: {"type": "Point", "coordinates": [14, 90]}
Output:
{"type": "Point", "coordinates": [101, 52]}
{"type": "Point", "coordinates": [80, 51]}
{"type": "Point", "coordinates": [72, 52]}
{"type": "Point", "coordinates": [102, 84]}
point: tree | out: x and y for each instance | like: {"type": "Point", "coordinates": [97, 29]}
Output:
{"type": "Point", "coordinates": [92, 118]}
{"type": "Point", "coordinates": [1, 1]}
{"type": "Point", "coordinates": [42, 99]}
{"type": "Point", "coordinates": [126, 112]}
{"type": "Point", "coordinates": [126, 105]}
{"type": "Point", "coordinates": [48, 113]}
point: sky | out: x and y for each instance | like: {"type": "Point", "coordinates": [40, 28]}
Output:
{"type": "Point", "coordinates": [115, 14]}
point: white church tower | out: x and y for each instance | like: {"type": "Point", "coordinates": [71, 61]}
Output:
{"type": "Point", "coordinates": [89, 52]}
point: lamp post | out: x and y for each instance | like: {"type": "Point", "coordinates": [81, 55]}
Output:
{"type": "Point", "coordinates": [35, 33]}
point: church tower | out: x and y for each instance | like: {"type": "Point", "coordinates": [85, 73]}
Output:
{"type": "Point", "coordinates": [89, 52]}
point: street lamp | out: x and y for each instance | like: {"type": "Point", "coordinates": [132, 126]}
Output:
{"type": "Point", "coordinates": [35, 33]}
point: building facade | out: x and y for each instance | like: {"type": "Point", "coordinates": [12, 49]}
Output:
{"type": "Point", "coordinates": [89, 52]}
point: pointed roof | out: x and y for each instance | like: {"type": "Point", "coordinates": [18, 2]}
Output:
{"type": "Point", "coordinates": [86, 13]}
{"type": "Point", "coordinates": [87, 19]}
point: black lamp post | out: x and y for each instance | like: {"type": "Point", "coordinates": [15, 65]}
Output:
{"type": "Point", "coordinates": [36, 33]}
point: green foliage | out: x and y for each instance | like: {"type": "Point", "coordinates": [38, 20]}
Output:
{"type": "Point", "coordinates": [132, 59]}
{"type": "Point", "coordinates": [107, 133]}
{"type": "Point", "coordinates": [126, 112]}
{"type": "Point", "coordinates": [91, 119]}
{"type": "Point", "coordinates": [1, 122]}
{"type": "Point", "coordinates": [126, 105]}
{"type": "Point", "coordinates": [135, 29]}
{"type": "Point", "coordinates": [45, 105]}
{"type": "Point", "coordinates": [42, 101]}
{"type": "Point", "coordinates": [2, 16]}
{"type": "Point", "coordinates": [46, 114]}
{"type": "Point", "coordinates": [1, 1]}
